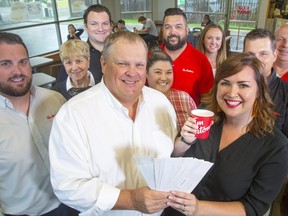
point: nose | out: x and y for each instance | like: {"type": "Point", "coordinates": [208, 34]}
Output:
{"type": "Point", "coordinates": [131, 70]}
{"type": "Point", "coordinates": [233, 92]}
{"type": "Point", "coordinates": [17, 69]}
{"type": "Point", "coordinates": [74, 66]}
{"type": "Point", "coordinates": [163, 76]}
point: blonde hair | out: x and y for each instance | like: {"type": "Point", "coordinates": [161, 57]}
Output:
{"type": "Point", "coordinates": [221, 54]}
{"type": "Point", "coordinates": [74, 48]}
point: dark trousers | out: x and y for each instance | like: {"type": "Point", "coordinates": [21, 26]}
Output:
{"type": "Point", "coordinates": [62, 210]}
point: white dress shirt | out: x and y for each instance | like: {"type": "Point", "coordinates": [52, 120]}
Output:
{"type": "Point", "coordinates": [93, 143]}
{"type": "Point", "coordinates": [25, 186]}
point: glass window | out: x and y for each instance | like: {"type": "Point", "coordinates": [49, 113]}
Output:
{"type": "Point", "coordinates": [131, 10]}
{"type": "Point", "coordinates": [42, 23]}
{"type": "Point", "coordinates": [242, 16]}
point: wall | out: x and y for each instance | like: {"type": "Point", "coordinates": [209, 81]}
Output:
{"type": "Point", "coordinates": [263, 12]}
{"type": "Point", "coordinates": [160, 6]}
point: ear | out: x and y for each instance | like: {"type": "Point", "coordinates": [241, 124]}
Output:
{"type": "Point", "coordinates": [103, 64]}
{"type": "Point", "coordinates": [275, 54]}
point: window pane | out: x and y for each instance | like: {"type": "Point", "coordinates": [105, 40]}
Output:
{"type": "Point", "coordinates": [15, 14]}
{"type": "Point", "coordinates": [78, 25]}
{"type": "Point", "coordinates": [39, 39]}
{"type": "Point", "coordinates": [71, 9]}
{"type": "Point", "coordinates": [132, 9]}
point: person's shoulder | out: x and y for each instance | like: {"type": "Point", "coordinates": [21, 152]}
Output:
{"type": "Point", "coordinates": [278, 84]}
{"type": "Point", "coordinates": [48, 94]}
{"type": "Point", "coordinates": [201, 58]}
{"type": "Point", "coordinates": [59, 85]}
{"type": "Point", "coordinates": [181, 94]}
{"type": "Point", "coordinates": [280, 136]}
{"type": "Point", "coordinates": [86, 97]}
{"type": "Point", "coordinates": [194, 50]}
{"type": "Point", "coordinates": [152, 94]}
{"type": "Point", "coordinates": [276, 139]}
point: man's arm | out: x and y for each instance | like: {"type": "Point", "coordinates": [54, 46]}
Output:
{"type": "Point", "coordinates": [143, 200]}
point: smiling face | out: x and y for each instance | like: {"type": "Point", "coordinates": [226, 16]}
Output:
{"type": "Point", "coordinates": [71, 29]}
{"type": "Point", "coordinates": [213, 40]}
{"type": "Point", "coordinates": [160, 76]}
{"type": "Point", "coordinates": [236, 95]}
{"type": "Point", "coordinates": [175, 32]}
{"type": "Point", "coordinates": [98, 26]}
{"type": "Point", "coordinates": [76, 68]}
{"type": "Point", "coordinates": [125, 70]}
{"type": "Point", "coordinates": [15, 70]}
{"type": "Point", "coordinates": [262, 49]}
{"type": "Point", "coordinates": [281, 37]}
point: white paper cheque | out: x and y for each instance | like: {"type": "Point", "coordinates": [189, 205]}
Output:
{"type": "Point", "coordinates": [167, 174]}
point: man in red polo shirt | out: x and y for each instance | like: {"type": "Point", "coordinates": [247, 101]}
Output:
{"type": "Point", "coordinates": [192, 70]}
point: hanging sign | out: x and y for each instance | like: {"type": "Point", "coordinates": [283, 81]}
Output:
{"type": "Point", "coordinates": [243, 10]}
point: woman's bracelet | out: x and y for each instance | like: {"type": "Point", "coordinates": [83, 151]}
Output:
{"type": "Point", "coordinates": [187, 143]}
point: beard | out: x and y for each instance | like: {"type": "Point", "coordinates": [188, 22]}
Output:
{"type": "Point", "coordinates": [18, 91]}
{"type": "Point", "coordinates": [179, 45]}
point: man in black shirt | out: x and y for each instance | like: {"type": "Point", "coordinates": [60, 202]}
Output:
{"type": "Point", "coordinates": [261, 42]}
{"type": "Point", "coordinates": [97, 22]}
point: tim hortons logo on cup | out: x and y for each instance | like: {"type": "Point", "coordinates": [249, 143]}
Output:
{"type": "Point", "coordinates": [202, 129]}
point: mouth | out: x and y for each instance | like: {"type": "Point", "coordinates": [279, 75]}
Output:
{"type": "Point", "coordinates": [129, 82]}
{"type": "Point", "coordinates": [232, 103]}
{"type": "Point", "coordinates": [162, 83]}
{"type": "Point", "coordinates": [283, 51]}
{"type": "Point", "coordinates": [213, 47]}
{"type": "Point", "coordinates": [173, 38]}
{"type": "Point", "coordinates": [17, 79]}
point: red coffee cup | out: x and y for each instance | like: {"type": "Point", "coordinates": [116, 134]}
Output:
{"type": "Point", "coordinates": [203, 120]}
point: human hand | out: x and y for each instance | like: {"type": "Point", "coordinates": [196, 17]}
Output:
{"type": "Point", "coordinates": [185, 203]}
{"type": "Point", "coordinates": [149, 201]}
{"type": "Point", "coordinates": [189, 129]}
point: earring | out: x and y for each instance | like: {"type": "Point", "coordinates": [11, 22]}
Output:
{"type": "Point", "coordinates": [255, 109]}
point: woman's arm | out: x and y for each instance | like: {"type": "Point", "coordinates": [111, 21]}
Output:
{"type": "Point", "coordinates": [79, 32]}
{"type": "Point", "coordinates": [186, 139]}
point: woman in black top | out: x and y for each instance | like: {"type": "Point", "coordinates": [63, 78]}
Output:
{"type": "Point", "coordinates": [249, 153]}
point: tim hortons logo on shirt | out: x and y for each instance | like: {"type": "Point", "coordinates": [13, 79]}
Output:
{"type": "Point", "coordinates": [187, 70]}
{"type": "Point", "coordinates": [51, 116]}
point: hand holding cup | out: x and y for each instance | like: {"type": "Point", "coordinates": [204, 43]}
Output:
{"type": "Point", "coordinates": [204, 119]}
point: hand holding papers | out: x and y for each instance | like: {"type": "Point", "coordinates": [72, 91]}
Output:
{"type": "Point", "coordinates": [167, 174]}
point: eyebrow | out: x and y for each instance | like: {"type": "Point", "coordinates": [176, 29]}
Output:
{"type": "Point", "coordinates": [5, 60]}
{"type": "Point", "coordinates": [242, 81]}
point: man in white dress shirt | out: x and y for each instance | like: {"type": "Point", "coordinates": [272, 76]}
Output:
{"type": "Point", "coordinates": [26, 115]}
{"type": "Point", "coordinates": [97, 135]}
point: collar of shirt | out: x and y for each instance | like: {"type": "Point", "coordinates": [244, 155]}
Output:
{"type": "Point", "coordinates": [5, 102]}
{"type": "Point", "coordinates": [272, 76]}
{"type": "Point", "coordinates": [116, 103]}
{"type": "Point", "coordinates": [69, 83]}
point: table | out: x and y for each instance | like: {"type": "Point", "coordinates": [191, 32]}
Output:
{"type": "Point", "coordinates": [43, 80]}
{"type": "Point", "coordinates": [141, 33]}
{"type": "Point", "coordinates": [39, 61]}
